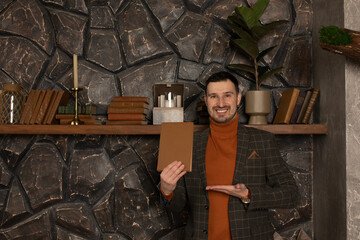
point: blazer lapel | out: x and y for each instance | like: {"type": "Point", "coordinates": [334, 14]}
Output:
{"type": "Point", "coordinates": [200, 156]}
{"type": "Point", "coordinates": [242, 147]}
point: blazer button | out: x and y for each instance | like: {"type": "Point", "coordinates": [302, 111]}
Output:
{"type": "Point", "coordinates": [205, 231]}
{"type": "Point", "coordinates": [206, 207]}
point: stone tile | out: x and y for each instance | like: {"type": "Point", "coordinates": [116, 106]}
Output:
{"type": "Point", "coordinates": [77, 5]}
{"type": "Point", "coordinates": [42, 187]}
{"type": "Point", "coordinates": [58, 65]}
{"type": "Point", "coordinates": [189, 35]}
{"type": "Point", "coordinates": [167, 12]}
{"type": "Point", "coordinates": [101, 17]}
{"type": "Point", "coordinates": [103, 49]}
{"type": "Point", "coordinates": [18, 18]}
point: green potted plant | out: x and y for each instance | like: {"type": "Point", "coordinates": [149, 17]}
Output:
{"type": "Point", "coordinates": [247, 32]}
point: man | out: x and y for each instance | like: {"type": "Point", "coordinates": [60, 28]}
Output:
{"type": "Point", "coordinates": [238, 173]}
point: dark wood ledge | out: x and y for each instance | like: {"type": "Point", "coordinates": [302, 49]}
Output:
{"type": "Point", "coordinates": [146, 129]}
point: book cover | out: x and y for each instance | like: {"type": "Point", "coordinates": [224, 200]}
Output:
{"type": "Point", "coordinates": [310, 107]}
{"type": "Point", "coordinates": [286, 106]}
{"type": "Point", "coordinates": [128, 110]}
{"type": "Point", "coordinates": [32, 106]}
{"type": "Point", "coordinates": [82, 109]}
{"type": "Point", "coordinates": [128, 122]}
{"type": "Point", "coordinates": [27, 106]}
{"type": "Point", "coordinates": [130, 99]}
{"type": "Point", "coordinates": [304, 106]}
{"type": "Point", "coordinates": [61, 98]}
{"type": "Point", "coordinates": [126, 116]}
{"type": "Point", "coordinates": [71, 116]}
{"type": "Point", "coordinates": [44, 106]}
{"type": "Point", "coordinates": [129, 104]}
{"type": "Point", "coordinates": [176, 144]}
{"type": "Point", "coordinates": [37, 107]}
{"type": "Point", "coordinates": [298, 105]}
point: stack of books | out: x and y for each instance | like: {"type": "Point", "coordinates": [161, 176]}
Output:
{"type": "Point", "coordinates": [86, 114]}
{"type": "Point", "coordinates": [296, 106]}
{"type": "Point", "coordinates": [128, 110]}
{"type": "Point", "coordinates": [41, 106]}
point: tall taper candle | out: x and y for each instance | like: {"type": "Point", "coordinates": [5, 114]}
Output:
{"type": "Point", "coordinates": [75, 63]}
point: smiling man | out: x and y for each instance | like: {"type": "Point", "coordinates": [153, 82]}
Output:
{"type": "Point", "coordinates": [238, 174]}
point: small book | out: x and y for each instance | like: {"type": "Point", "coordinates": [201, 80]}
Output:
{"type": "Point", "coordinates": [128, 110]}
{"type": "Point", "coordinates": [286, 106]}
{"type": "Point", "coordinates": [27, 106]}
{"type": "Point", "coordinates": [176, 144]}
{"type": "Point", "coordinates": [71, 116]}
{"type": "Point", "coordinates": [126, 116]}
{"type": "Point", "coordinates": [130, 99]}
{"type": "Point", "coordinates": [304, 106]}
{"type": "Point", "coordinates": [129, 104]}
{"type": "Point", "coordinates": [61, 98]}
{"type": "Point", "coordinates": [44, 106]}
{"type": "Point", "coordinates": [37, 107]}
{"type": "Point", "coordinates": [32, 106]}
{"type": "Point", "coordinates": [298, 105]}
{"type": "Point", "coordinates": [310, 107]}
{"type": "Point", "coordinates": [129, 122]}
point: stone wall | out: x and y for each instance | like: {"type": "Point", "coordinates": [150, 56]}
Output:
{"type": "Point", "coordinates": [104, 187]}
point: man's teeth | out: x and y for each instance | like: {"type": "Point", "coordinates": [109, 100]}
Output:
{"type": "Point", "coordinates": [221, 111]}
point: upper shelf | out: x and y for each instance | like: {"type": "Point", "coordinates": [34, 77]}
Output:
{"type": "Point", "coordinates": [147, 129]}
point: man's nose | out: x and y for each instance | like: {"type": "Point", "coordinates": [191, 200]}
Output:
{"type": "Point", "coordinates": [221, 102]}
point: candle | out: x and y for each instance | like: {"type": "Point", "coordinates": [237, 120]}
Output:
{"type": "Point", "coordinates": [178, 100]}
{"type": "Point", "coordinates": [75, 60]}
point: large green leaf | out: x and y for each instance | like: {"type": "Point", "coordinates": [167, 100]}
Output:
{"type": "Point", "coordinates": [259, 7]}
{"type": "Point", "coordinates": [273, 25]}
{"type": "Point", "coordinates": [235, 20]}
{"type": "Point", "coordinates": [241, 32]}
{"type": "Point", "coordinates": [249, 47]}
{"type": "Point", "coordinates": [248, 15]}
{"type": "Point", "coordinates": [243, 67]}
{"type": "Point", "coordinates": [262, 70]}
{"type": "Point", "coordinates": [264, 52]}
{"type": "Point", "coordinates": [268, 74]}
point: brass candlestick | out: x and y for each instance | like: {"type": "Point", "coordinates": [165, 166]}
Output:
{"type": "Point", "coordinates": [76, 120]}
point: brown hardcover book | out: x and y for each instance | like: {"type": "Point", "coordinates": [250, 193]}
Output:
{"type": "Point", "coordinates": [86, 121]}
{"type": "Point", "coordinates": [176, 144]}
{"type": "Point", "coordinates": [71, 116]}
{"type": "Point", "coordinates": [304, 106]}
{"type": "Point", "coordinates": [32, 106]}
{"type": "Point", "coordinates": [129, 104]}
{"type": "Point", "coordinates": [44, 106]}
{"type": "Point", "coordinates": [130, 99]}
{"type": "Point", "coordinates": [298, 105]}
{"type": "Point", "coordinates": [128, 110]}
{"type": "Point", "coordinates": [310, 107]}
{"type": "Point", "coordinates": [129, 122]}
{"type": "Point", "coordinates": [61, 98]}
{"type": "Point", "coordinates": [27, 106]}
{"type": "Point", "coordinates": [37, 107]}
{"type": "Point", "coordinates": [286, 106]}
{"type": "Point", "coordinates": [126, 116]}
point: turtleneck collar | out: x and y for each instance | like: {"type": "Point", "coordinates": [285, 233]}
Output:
{"type": "Point", "coordinates": [224, 129]}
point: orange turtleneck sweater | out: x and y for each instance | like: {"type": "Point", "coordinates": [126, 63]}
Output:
{"type": "Point", "coordinates": [220, 167]}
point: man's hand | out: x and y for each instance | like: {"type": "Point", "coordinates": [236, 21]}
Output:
{"type": "Point", "coordinates": [170, 176]}
{"type": "Point", "coordinates": [238, 190]}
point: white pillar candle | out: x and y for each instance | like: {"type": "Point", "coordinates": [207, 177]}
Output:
{"type": "Point", "coordinates": [162, 100]}
{"type": "Point", "coordinates": [75, 63]}
{"type": "Point", "coordinates": [178, 100]}
{"type": "Point", "coordinates": [170, 99]}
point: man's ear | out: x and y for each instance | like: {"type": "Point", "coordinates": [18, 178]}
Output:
{"type": "Point", "coordinates": [238, 99]}
{"type": "Point", "coordinates": [205, 99]}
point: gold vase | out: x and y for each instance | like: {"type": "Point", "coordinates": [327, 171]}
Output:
{"type": "Point", "coordinates": [257, 106]}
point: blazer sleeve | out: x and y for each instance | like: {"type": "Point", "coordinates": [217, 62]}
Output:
{"type": "Point", "coordinates": [280, 189]}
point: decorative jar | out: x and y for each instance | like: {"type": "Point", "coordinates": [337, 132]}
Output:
{"type": "Point", "coordinates": [12, 100]}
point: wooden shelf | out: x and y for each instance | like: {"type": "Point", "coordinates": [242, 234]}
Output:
{"type": "Point", "coordinates": [146, 129]}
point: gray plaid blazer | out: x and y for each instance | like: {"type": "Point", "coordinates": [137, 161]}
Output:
{"type": "Point", "coordinates": [259, 166]}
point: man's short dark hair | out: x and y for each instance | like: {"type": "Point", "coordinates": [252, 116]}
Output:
{"type": "Point", "coordinates": [222, 76]}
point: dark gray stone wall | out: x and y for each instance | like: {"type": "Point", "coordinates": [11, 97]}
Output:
{"type": "Point", "coordinates": [104, 187]}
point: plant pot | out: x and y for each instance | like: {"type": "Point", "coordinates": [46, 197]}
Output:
{"type": "Point", "coordinates": [257, 105]}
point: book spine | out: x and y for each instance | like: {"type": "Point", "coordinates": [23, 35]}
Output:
{"type": "Point", "coordinates": [297, 108]}
{"type": "Point", "coordinates": [127, 110]}
{"type": "Point", "coordinates": [125, 116]}
{"type": "Point", "coordinates": [87, 109]}
{"type": "Point", "coordinates": [129, 104]}
{"type": "Point", "coordinates": [27, 107]}
{"type": "Point", "coordinates": [130, 99]}
{"type": "Point", "coordinates": [314, 96]}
